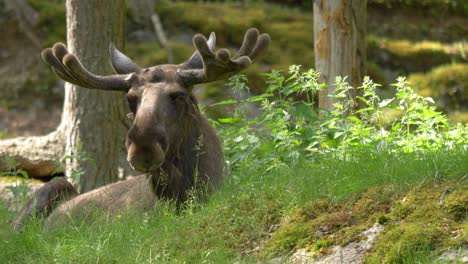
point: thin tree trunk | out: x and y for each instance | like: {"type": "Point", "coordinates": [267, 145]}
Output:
{"type": "Point", "coordinates": [339, 32]}
{"type": "Point", "coordinates": [93, 122]}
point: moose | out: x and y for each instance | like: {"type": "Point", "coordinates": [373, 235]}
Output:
{"type": "Point", "coordinates": [169, 140]}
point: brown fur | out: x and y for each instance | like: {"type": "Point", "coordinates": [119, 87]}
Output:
{"type": "Point", "coordinates": [169, 140]}
{"type": "Point", "coordinates": [44, 200]}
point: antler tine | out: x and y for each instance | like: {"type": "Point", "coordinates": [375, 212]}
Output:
{"type": "Point", "coordinates": [58, 68]}
{"type": "Point", "coordinates": [220, 64]}
{"type": "Point", "coordinates": [67, 67]}
{"type": "Point", "coordinates": [250, 39]}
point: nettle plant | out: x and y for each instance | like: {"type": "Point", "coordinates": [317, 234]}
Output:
{"type": "Point", "coordinates": [291, 126]}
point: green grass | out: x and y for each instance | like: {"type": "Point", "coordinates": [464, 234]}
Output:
{"type": "Point", "coordinates": [291, 173]}
{"type": "Point", "coordinates": [235, 220]}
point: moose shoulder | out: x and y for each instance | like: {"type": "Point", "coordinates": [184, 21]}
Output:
{"type": "Point", "coordinates": [169, 140]}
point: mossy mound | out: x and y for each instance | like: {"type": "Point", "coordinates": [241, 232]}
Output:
{"type": "Point", "coordinates": [429, 218]}
{"type": "Point", "coordinates": [448, 83]}
{"type": "Point", "coordinates": [436, 6]}
{"type": "Point", "coordinates": [407, 56]}
{"type": "Point", "coordinates": [331, 222]}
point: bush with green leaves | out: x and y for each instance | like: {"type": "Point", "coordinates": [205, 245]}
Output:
{"type": "Point", "coordinates": [289, 129]}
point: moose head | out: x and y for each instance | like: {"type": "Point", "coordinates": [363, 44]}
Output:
{"type": "Point", "coordinates": [167, 125]}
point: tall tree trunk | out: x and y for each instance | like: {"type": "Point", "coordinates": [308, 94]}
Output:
{"type": "Point", "coordinates": [93, 122]}
{"type": "Point", "coordinates": [339, 32]}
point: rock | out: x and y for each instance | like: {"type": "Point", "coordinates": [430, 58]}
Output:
{"type": "Point", "coordinates": [455, 256]}
{"type": "Point", "coordinates": [352, 253]}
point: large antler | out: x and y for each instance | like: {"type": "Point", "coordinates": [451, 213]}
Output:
{"type": "Point", "coordinates": [206, 65]}
{"type": "Point", "coordinates": [67, 67]}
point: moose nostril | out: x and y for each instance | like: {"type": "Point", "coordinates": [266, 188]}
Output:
{"type": "Point", "coordinates": [164, 144]}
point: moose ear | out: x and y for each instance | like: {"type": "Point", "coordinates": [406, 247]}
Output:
{"type": "Point", "coordinates": [121, 63]}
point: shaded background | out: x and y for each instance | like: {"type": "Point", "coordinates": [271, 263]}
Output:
{"type": "Point", "coordinates": [424, 40]}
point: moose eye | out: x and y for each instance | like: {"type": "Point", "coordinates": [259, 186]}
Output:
{"type": "Point", "coordinates": [132, 102]}
{"type": "Point", "coordinates": [177, 96]}
{"type": "Point", "coordinates": [157, 76]}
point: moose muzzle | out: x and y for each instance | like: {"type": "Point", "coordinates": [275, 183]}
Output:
{"type": "Point", "coordinates": [145, 158]}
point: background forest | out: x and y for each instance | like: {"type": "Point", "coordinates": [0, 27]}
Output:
{"type": "Point", "coordinates": [384, 184]}
{"type": "Point", "coordinates": [423, 40]}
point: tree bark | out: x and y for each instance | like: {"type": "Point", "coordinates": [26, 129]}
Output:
{"type": "Point", "coordinates": [339, 33]}
{"type": "Point", "coordinates": [94, 121]}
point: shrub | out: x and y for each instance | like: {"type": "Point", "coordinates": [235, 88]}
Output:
{"type": "Point", "coordinates": [288, 129]}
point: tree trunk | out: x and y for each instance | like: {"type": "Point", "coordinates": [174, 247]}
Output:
{"type": "Point", "coordinates": [339, 33]}
{"type": "Point", "coordinates": [93, 122]}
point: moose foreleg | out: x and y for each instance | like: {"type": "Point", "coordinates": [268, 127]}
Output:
{"type": "Point", "coordinates": [44, 200]}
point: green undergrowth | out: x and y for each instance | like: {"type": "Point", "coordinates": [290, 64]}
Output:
{"type": "Point", "coordinates": [236, 224]}
{"type": "Point", "coordinates": [297, 177]}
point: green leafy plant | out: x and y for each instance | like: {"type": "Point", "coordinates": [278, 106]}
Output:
{"type": "Point", "coordinates": [79, 155]}
{"type": "Point", "coordinates": [291, 127]}
{"type": "Point", "coordinates": [20, 189]}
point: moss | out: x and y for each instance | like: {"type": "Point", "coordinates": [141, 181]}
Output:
{"type": "Point", "coordinates": [382, 219]}
{"type": "Point", "coordinates": [456, 204]}
{"type": "Point", "coordinates": [434, 6]}
{"type": "Point", "coordinates": [406, 240]}
{"type": "Point", "coordinates": [426, 219]}
{"type": "Point", "coordinates": [456, 117]}
{"type": "Point", "coordinates": [413, 56]}
{"type": "Point", "coordinates": [414, 222]}
{"type": "Point", "coordinates": [325, 220]}
{"type": "Point", "coordinates": [447, 83]}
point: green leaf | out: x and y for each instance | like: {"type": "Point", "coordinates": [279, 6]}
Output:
{"type": "Point", "coordinates": [225, 102]}
{"type": "Point", "coordinates": [355, 119]}
{"type": "Point", "coordinates": [228, 120]}
{"type": "Point", "coordinates": [385, 102]}
{"type": "Point", "coordinates": [259, 97]}
{"type": "Point", "coordinates": [23, 173]}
